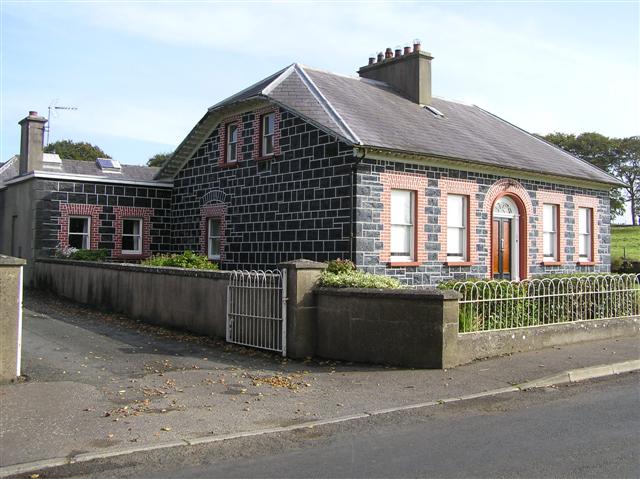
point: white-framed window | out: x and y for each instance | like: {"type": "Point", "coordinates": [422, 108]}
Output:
{"type": "Point", "coordinates": [585, 235]}
{"type": "Point", "coordinates": [79, 232]}
{"type": "Point", "coordinates": [457, 207]}
{"type": "Point", "coordinates": [550, 232]}
{"type": "Point", "coordinates": [213, 238]}
{"type": "Point", "coordinates": [403, 225]}
{"type": "Point", "coordinates": [132, 236]}
{"type": "Point", "coordinates": [232, 143]}
{"type": "Point", "coordinates": [268, 130]}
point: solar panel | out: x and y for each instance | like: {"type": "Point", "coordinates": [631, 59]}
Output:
{"type": "Point", "coordinates": [108, 164]}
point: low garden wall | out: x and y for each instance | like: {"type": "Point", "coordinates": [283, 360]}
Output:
{"type": "Point", "coordinates": [192, 300]}
{"type": "Point", "coordinates": [399, 327]}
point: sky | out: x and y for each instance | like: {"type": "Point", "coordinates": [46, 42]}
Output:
{"type": "Point", "coordinates": [141, 74]}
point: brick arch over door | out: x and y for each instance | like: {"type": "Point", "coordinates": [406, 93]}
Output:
{"type": "Point", "coordinates": [513, 189]}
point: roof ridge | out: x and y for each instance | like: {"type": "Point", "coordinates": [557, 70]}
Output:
{"type": "Point", "coordinates": [10, 161]}
{"type": "Point", "coordinates": [325, 103]}
{"type": "Point", "coordinates": [545, 142]}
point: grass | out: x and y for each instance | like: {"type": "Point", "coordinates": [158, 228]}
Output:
{"type": "Point", "coordinates": [625, 238]}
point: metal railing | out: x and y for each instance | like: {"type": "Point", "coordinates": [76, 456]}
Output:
{"type": "Point", "coordinates": [256, 309]}
{"type": "Point", "coordinates": [491, 305]}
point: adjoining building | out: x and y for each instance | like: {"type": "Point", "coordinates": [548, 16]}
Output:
{"type": "Point", "coordinates": [311, 164]}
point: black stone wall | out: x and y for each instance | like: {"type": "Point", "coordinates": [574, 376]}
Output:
{"type": "Point", "coordinates": [49, 194]}
{"type": "Point", "coordinates": [296, 205]}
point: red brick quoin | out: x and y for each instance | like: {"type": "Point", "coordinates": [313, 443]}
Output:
{"type": "Point", "coordinates": [403, 181]}
{"type": "Point", "coordinates": [217, 210]}
{"type": "Point", "coordinates": [76, 209]}
{"type": "Point", "coordinates": [129, 212]}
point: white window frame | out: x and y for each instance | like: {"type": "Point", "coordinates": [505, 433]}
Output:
{"type": "Point", "coordinates": [210, 237]}
{"type": "Point", "coordinates": [550, 231]}
{"type": "Point", "coordinates": [460, 230]}
{"type": "Point", "coordinates": [86, 240]}
{"type": "Point", "coordinates": [411, 226]}
{"type": "Point", "coordinates": [264, 135]}
{"type": "Point", "coordinates": [139, 235]}
{"type": "Point", "coordinates": [588, 234]}
{"type": "Point", "coordinates": [232, 144]}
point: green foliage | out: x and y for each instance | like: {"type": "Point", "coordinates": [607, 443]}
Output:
{"type": "Point", "coordinates": [338, 266]}
{"type": "Point", "coordinates": [89, 255]}
{"type": "Point", "coordinates": [82, 151]}
{"type": "Point", "coordinates": [357, 279]}
{"type": "Point", "coordinates": [159, 159]}
{"type": "Point", "coordinates": [188, 260]}
{"type": "Point", "coordinates": [618, 156]}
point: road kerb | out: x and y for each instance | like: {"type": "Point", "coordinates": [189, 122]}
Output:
{"type": "Point", "coordinates": [571, 376]}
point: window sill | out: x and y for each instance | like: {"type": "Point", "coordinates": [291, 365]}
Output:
{"type": "Point", "coordinates": [551, 263]}
{"type": "Point", "coordinates": [229, 165]}
{"type": "Point", "coordinates": [458, 263]}
{"type": "Point", "coordinates": [586, 263]}
{"type": "Point", "coordinates": [266, 157]}
{"type": "Point", "coordinates": [399, 264]}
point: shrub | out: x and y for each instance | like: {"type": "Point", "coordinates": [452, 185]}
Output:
{"type": "Point", "coordinates": [357, 279]}
{"type": "Point", "coordinates": [338, 266]}
{"type": "Point", "coordinates": [188, 260]}
{"type": "Point", "coordinates": [90, 255]}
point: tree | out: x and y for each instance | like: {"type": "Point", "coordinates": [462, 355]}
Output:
{"type": "Point", "coordinates": [81, 150]}
{"type": "Point", "coordinates": [605, 153]}
{"type": "Point", "coordinates": [627, 169]}
{"type": "Point", "coordinates": [159, 159]}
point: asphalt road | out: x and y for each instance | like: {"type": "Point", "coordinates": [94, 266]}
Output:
{"type": "Point", "coordinates": [583, 430]}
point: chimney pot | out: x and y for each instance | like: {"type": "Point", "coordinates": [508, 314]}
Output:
{"type": "Point", "coordinates": [388, 53]}
{"type": "Point", "coordinates": [380, 56]}
{"type": "Point", "coordinates": [371, 60]}
{"type": "Point", "coordinates": [33, 113]}
{"type": "Point", "coordinates": [398, 52]}
{"type": "Point", "coordinates": [416, 45]}
{"type": "Point", "coordinates": [407, 50]}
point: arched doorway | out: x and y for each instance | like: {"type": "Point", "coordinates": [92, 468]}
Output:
{"type": "Point", "coordinates": [505, 239]}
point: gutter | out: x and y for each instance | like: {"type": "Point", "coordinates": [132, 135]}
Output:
{"type": "Point", "coordinates": [87, 178]}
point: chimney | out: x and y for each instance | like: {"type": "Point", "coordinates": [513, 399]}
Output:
{"type": "Point", "coordinates": [31, 142]}
{"type": "Point", "coordinates": [409, 73]}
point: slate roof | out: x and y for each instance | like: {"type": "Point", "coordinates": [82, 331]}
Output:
{"type": "Point", "coordinates": [10, 170]}
{"type": "Point", "coordinates": [371, 113]}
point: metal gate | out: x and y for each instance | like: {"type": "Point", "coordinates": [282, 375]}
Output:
{"type": "Point", "coordinates": [257, 309]}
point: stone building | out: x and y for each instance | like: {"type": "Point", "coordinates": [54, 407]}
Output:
{"type": "Point", "coordinates": [311, 164]}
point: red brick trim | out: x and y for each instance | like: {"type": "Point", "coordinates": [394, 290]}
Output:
{"type": "Point", "coordinates": [257, 133]}
{"type": "Point", "coordinates": [405, 264]}
{"type": "Point", "coordinates": [593, 203]}
{"type": "Point", "coordinates": [129, 212]}
{"type": "Point", "coordinates": [219, 211]}
{"type": "Point", "coordinates": [76, 209]}
{"type": "Point", "coordinates": [516, 192]}
{"type": "Point", "coordinates": [403, 181]}
{"type": "Point", "coordinates": [222, 144]}
{"type": "Point", "coordinates": [558, 199]}
{"type": "Point", "coordinates": [469, 189]}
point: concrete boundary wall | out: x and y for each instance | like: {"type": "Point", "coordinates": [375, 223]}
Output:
{"type": "Point", "coordinates": [485, 344]}
{"type": "Point", "coordinates": [414, 328]}
{"type": "Point", "coordinates": [11, 278]}
{"type": "Point", "coordinates": [192, 300]}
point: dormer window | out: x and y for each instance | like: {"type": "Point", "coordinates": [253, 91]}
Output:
{"type": "Point", "coordinates": [268, 129]}
{"type": "Point", "coordinates": [232, 143]}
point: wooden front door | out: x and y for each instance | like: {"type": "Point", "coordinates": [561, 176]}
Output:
{"type": "Point", "coordinates": [501, 248]}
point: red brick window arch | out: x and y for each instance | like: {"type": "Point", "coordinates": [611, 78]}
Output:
{"type": "Point", "coordinates": [90, 212]}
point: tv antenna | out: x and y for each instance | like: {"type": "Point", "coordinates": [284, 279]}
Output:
{"type": "Point", "coordinates": [55, 107]}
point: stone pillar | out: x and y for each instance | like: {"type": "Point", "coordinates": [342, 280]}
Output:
{"type": "Point", "coordinates": [10, 317]}
{"type": "Point", "coordinates": [302, 276]}
{"type": "Point", "coordinates": [450, 328]}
